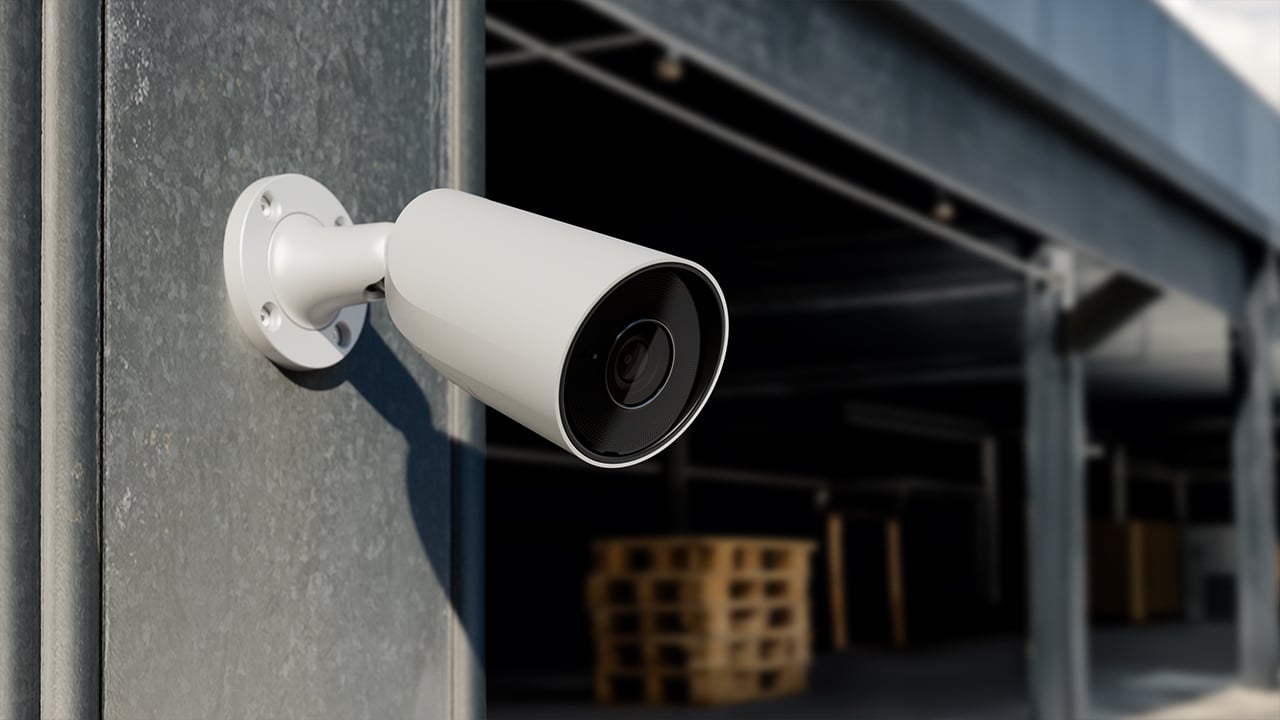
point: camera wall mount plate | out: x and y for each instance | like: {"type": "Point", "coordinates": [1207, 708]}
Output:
{"type": "Point", "coordinates": [256, 272]}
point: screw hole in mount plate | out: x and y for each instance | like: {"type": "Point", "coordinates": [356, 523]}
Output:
{"type": "Point", "coordinates": [269, 317]}
{"type": "Point", "coordinates": [339, 221]}
{"type": "Point", "coordinates": [341, 334]}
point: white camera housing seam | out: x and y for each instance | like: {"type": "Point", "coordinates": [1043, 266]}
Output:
{"type": "Point", "coordinates": [606, 348]}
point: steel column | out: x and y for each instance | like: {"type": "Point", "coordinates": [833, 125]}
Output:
{"type": "Point", "coordinates": [1254, 487]}
{"type": "Point", "coordinates": [19, 361]}
{"type": "Point", "coordinates": [70, 361]}
{"type": "Point", "coordinates": [990, 464]}
{"type": "Point", "coordinates": [675, 470]}
{"type": "Point", "coordinates": [1119, 484]}
{"type": "Point", "coordinates": [463, 155]}
{"type": "Point", "coordinates": [1055, 493]}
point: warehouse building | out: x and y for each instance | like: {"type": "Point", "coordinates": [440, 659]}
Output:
{"type": "Point", "coordinates": [1002, 295]}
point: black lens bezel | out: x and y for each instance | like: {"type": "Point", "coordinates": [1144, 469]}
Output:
{"type": "Point", "coordinates": [707, 316]}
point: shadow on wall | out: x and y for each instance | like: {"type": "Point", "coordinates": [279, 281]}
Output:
{"type": "Point", "coordinates": [377, 374]}
{"type": "Point", "coordinates": [374, 370]}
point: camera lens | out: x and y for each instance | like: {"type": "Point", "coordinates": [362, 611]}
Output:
{"type": "Point", "coordinates": [624, 388]}
{"type": "Point", "coordinates": [639, 363]}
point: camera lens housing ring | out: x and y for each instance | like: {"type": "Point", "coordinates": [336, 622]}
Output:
{"type": "Point", "coordinates": [677, 301]}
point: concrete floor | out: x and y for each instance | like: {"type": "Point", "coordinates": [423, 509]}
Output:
{"type": "Point", "coordinates": [1160, 672]}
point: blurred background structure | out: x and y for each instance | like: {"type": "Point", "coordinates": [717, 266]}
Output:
{"type": "Point", "coordinates": [999, 282]}
{"type": "Point", "coordinates": [1002, 285]}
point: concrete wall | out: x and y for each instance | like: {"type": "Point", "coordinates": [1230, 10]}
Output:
{"type": "Point", "coordinates": [271, 544]}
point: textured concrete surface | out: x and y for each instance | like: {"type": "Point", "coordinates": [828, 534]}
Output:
{"type": "Point", "coordinates": [274, 545]}
{"type": "Point", "coordinates": [19, 363]}
{"type": "Point", "coordinates": [1161, 672]}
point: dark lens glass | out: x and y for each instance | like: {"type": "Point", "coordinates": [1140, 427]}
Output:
{"type": "Point", "coordinates": [624, 388]}
{"type": "Point", "coordinates": [639, 363]}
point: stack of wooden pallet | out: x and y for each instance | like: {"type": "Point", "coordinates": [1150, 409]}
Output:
{"type": "Point", "coordinates": [1135, 570]}
{"type": "Point", "coordinates": [700, 619]}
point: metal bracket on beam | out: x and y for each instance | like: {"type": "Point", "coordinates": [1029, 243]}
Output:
{"type": "Point", "coordinates": [1104, 311]}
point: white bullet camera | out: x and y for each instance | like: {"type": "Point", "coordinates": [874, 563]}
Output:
{"type": "Point", "coordinates": [606, 348]}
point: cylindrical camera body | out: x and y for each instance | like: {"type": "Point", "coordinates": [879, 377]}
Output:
{"type": "Point", "coordinates": [606, 348]}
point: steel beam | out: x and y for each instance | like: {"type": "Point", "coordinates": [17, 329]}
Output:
{"type": "Point", "coordinates": [1055, 456]}
{"type": "Point", "coordinates": [515, 58]}
{"type": "Point", "coordinates": [912, 422]}
{"type": "Point", "coordinates": [869, 78]}
{"type": "Point", "coordinates": [814, 381]}
{"type": "Point", "coordinates": [1125, 75]}
{"type": "Point", "coordinates": [761, 150]}
{"type": "Point", "coordinates": [869, 300]}
{"type": "Point", "coordinates": [1254, 487]}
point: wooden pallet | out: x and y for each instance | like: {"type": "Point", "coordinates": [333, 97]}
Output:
{"type": "Point", "coordinates": [701, 554]}
{"type": "Point", "coordinates": [699, 619]}
{"type": "Point", "coordinates": [1135, 570]}
{"type": "Point", "coordinates": [699, 687]}
{"type": "Point", "coordinates": [696, 652]}
{"type": "Point", "coordinates": [682, 589]}
{"type": "Point", "coordinates": [746, 618]}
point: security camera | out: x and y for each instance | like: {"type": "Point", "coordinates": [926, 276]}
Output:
{"type": "Point", "coordinates": [606, 348]}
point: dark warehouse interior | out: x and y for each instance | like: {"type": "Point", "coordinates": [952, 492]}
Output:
{"type": "Point", "coordinates": [874, 370]}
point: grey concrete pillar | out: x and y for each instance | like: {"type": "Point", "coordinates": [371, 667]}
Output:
{"type": "Point", "coordinates": [1055, 458]}
{"type": "Point", "coordinates": [1254, 486]}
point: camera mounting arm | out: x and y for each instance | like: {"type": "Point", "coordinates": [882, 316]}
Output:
{"type": "Point", "coordinates": [298, 273]}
